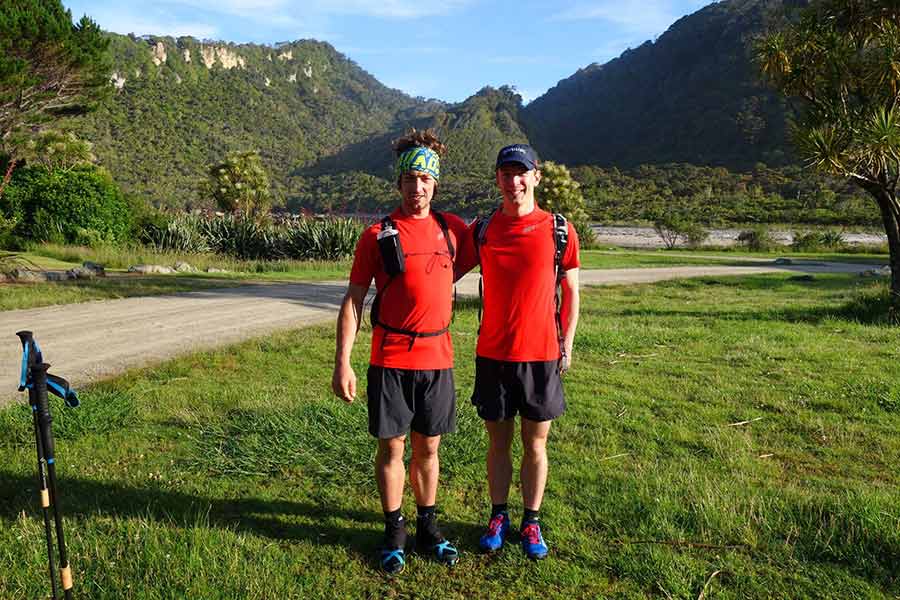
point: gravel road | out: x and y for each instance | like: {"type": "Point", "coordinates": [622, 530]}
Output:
{"type": "Point", "coordinates": [93, 340]}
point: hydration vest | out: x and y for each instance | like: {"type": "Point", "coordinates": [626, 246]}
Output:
{"type": "Point", "coordinates": [393, 260]}
{"type": "Point", "coordinates": [560, 243]}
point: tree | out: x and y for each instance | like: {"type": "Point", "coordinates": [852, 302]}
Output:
{"type": "Point", "coordinates": [841, 61]}
{"type": "Point", "coordinates": [50, 68]}
{"type": "Point", "coordinates": [81, 205]}
{"type": "Point", "coordinates": [240, 185]}
{"type": "Point", "coordinates": [559, 193]}
{"type": "Point", "coordinates": [55, 150]}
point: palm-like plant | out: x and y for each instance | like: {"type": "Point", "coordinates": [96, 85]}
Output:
{"type": "Point", "coordinates": [840, 60]}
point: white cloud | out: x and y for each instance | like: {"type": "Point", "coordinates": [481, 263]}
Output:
{"type": "Point", "coordinates": [613, 48]}
{"type": "Point", "coordinates": [529, 95]}
{"type": "Point", "coordinates": [263, 10]}
{"type": "Point", "coordinates": [125, 22]}
{"type": "Point", "coordinates": [651, 17]}
{"type": "Point", "coordinates": [425, 86]}
{"type": "Point", "coordinates": [393, 9]}
{"type": "Point", "coordinates": [398, 51]}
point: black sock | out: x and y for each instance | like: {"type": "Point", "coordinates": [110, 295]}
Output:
{"type": "Point", "coordinates": [426, 525]}
{"type": "Point", "coordinates": [530, 516]}
{"type": "Point", "coordinates": [496, 509]}
{"type": "Point", "coordinates": [394, 529]}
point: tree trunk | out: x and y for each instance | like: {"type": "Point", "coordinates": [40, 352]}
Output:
{"type": "Point", "coordinates": [890, 214]}
{"type": "Point", "coordinates": [8, 175]}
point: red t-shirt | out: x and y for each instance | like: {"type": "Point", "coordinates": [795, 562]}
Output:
{"type": "Point", "coordinates": [420, 299]}
{"type": "Point", "coordinates": [519, 320]}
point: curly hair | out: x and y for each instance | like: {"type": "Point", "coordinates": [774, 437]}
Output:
{"type": "Point", "coordinates": [415, 138]}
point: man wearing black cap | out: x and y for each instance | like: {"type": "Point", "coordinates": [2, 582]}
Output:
{"type": "Point", "coordinates": [525, 339]}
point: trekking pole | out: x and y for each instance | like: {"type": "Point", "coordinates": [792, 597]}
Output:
{"type": "Point", "coordinates": [28, 357]}
{"type": "Point", "coordinates": [44, 491]}
{"type": "Point", "coordinates": [39, 382]}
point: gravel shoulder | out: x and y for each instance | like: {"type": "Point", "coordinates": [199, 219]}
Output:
{"type": "Point", "coordinates": [93, 340]}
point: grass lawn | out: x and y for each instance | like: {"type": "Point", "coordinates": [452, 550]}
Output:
{"type": "Point", "coordinates": [236, 474]}
{"type": "Point", "coordinates": [34, 295]}
{"type": "Point", "coordinates": [621, 258]}
{"type": "Point", "coordinates": [120, 259]}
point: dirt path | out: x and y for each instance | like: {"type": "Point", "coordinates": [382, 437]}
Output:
{"type": "Point", "coordinates": [93, 340]}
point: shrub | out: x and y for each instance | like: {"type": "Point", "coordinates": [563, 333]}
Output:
{"type": "Point", "coordinates": [306, 238]}
{"type": "Point", "coordinates": [671, 227]}
{"type": "Point", "coordinates": [814, 241]}
{"type": "Point", "coordinates": [181, 234]}
{"type": "Point", "coordinates": [832, 239]}
{"type": "Point", "coordinates": [70, 206]}
{"type": "Point", "coordinates": [586, 237]}
{"type": "Point", "coordinates": [694, 234]}
{"type": "Point", "coordinates": [757, 239]}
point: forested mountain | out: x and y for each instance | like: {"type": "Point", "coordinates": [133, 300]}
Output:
{"type": "Point", "coordinates": [692, 96]}
{"type": "Point", "coordinates": [181, 104]}
{"type": "Point", "coordinates": [323, 126]}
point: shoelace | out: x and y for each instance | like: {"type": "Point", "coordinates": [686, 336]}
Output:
{"type": "Point", "coordinates": [532, 533]}
{"type": "Point", "coordinates": [495, 524]}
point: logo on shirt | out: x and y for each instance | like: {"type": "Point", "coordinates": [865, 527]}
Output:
{"type": "Point", "coordinates": [529, 229]}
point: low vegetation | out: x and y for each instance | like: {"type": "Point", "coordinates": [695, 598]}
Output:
{"type": "Point", "coordinates": [730, 438]}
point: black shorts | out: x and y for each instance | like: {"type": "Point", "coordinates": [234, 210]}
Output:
{"type": "Point", "coordinates": [404, 399]}
{"type": "Point", "coordinates": [504, 389]}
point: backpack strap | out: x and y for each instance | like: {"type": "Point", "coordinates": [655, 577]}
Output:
{"type": "Point", "coordinates": [442, 222]}
{"type": "Point", "coordinates": [388, 223]}
{"type": "Point", "coordinates": [479, 237]}
{"type": "Point", "coordinates": [560, 243]}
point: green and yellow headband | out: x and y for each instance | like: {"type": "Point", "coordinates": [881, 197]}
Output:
{"type": "Point", "coordinates": [420, 159]}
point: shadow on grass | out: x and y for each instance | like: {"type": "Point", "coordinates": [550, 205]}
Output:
{"type": "Point", "coordinates": [82, 499]}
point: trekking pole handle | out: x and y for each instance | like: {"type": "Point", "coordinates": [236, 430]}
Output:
{"type": "Point", "coordinates": [28, 357]}
{"type": "Point", "coordinates": [39, 379]}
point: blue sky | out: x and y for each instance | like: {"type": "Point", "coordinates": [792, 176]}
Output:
{"type": "Point", "coordinates": [447, 49]}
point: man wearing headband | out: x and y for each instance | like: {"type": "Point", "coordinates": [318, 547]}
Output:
{"type": "Point", "coordinates": [525, 339]}
{"type": "Point", "coordinates": [410, 389]}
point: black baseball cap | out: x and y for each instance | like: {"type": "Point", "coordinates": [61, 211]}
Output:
{"type": "Point", "coordinates": [518, 153]}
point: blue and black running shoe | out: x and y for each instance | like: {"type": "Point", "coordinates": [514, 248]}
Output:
{"type": "Point", "coordinates": [496, 533]}
{"type": "Point", "coordinates": [533, 542]}
{"type": "Point", "coordinates": [392, 560]}
{"type": "Point", "coordinates": [442, 551]}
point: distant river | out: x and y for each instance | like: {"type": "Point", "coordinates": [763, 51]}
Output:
{"type": "Point", "coordinates": [646, 237]}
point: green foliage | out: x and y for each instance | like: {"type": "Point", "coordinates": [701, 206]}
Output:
{"type": "Point", "coordinates": [10, 216]}
{"type": "Point", "coordinates": [48, 66]}
{"type": "Point", "coordinates": [298, 104]}
{"type": "Point", "coordinates": [816, 241]}
{"type": "Point", "coordinates": [321, 238]}
{"type": "Point", "coordinates": [715, 196]}
{"type": "Point", "coordinates": [757, 239]}
{"type": "Point", "coordinates": [240, 185]}
{"type": "Point", "coordinates": [817, 519]}
{"type": "Point", "coordinates": [56, 150]}
{"type": "Point", "coordinates": [180, 234]}
{"type": "Point", "coordinates": [841, 60]}
{"type": "Point", "coordinates": [306, 238]}
{"type": "Point", "coordinates": [673, 226]}
{"type": "Point", "coordinates": [690, 96]}
{"type": "Point", "coordinates": [559, 193]}
{"type": "Point", "coordinates": [82, 205]}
